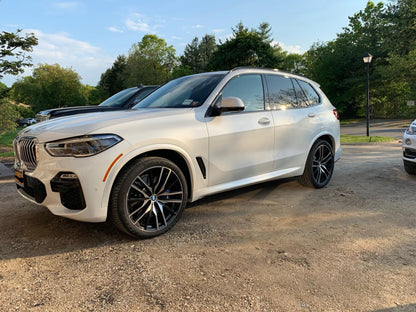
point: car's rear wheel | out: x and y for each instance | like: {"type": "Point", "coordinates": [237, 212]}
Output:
{"type": "Point", "coordinates": [409, 166]}
{"type": "Point", "coordinates": [148, 197]}
{"type": "Point", "coordinates": [319, 165]}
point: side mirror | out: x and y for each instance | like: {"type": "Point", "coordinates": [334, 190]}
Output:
{"type": "Point", "coordinates": [228, 104]}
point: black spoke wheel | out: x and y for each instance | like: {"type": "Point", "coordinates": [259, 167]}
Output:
{"type": "Point", "coordinates": [319, 165]}
{"type": "Point", "coordinates": [148, 197]}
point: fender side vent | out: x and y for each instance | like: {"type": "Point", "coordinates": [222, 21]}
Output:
{"type": "Point", "coordinates": [202, 167]}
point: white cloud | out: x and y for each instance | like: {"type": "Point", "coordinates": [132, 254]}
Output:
{"type": "Point", "coordinates": [87, 60]}
{"type": "Point", "coordinates": [137, 22]}
{"type": "Point", "coordinates": [115, 29]}
{"type": "Point", "coordinates": [197, 26]}
{"type": "Point", "coordinates": [290, 48]}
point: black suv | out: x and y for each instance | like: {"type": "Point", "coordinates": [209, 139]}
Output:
{"type": "Point", "coordinates": [124, 99]}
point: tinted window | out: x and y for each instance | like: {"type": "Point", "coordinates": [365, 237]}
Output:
{"type": "Point", "coordinates": [311, 94]}
{"type": "Point", "coordinates": [118, 99]}
{"type": "Point", "coordinates": [249, 88]}
{"type": "Point", "coordinates": [281, 92]}
{"type": "Point", "coordinates": [302, 100]}
{"type": "Point", "coordinates": [189, 91]}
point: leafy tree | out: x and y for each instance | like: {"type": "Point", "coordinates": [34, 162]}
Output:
{"type": "Point", "coordinates": [206, 48]}
{"type": "Point", "coordinates": [8, 115]}
{"type": "Point", "coordinates": [197, 54]}
{"type": "Point", "coordinates": [13, 51]}
{"type": "Point", "coordinates": [49, 86]}
{"type": "Point", "coordinates": [338, 66]}
{"type": "Point", "coordinates": [191, 57]}
{"type": "Point", "coordinates": [150, 61]}
{"type": "Point", "coordinates": [112, 80]}
{"type": "Point", "coordinates": [246, 48]}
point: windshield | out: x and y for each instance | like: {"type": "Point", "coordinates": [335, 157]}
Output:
{"type": "Point", "coordinates": [189, 91]}
{"type": "Point", "coordinates": [118, 99]}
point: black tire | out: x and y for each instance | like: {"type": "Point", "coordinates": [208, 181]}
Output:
{"type": "Point", "coordinates": [409, 166]}
{"type": "Point", "coordinates": [148, 197]}
{"type": "Point", "coordinates": [319, 165]}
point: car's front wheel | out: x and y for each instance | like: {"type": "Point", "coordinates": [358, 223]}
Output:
{"type": "Point", "coordinates": [319, 165]}
{"type": "Point", "coordinates": [409, 166]}
{"type": "Point", "coordinates": [148, 197]}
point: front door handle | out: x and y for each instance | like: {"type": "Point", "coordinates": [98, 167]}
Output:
{"type": "Point", "coordinates": [264, 121]}
{"type": "Point", "coordinates": [311, 115]}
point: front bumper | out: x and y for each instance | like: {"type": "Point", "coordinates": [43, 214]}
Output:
{"type": "Point", "coordinates": [71, 187]}
{"type": "Point", "coordinates": [409, 147]}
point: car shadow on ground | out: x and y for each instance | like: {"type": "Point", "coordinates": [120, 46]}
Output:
{"type": "Point", "coordinates": [401, 308]}
{"type": "Point", "coordinates": [29, 230]}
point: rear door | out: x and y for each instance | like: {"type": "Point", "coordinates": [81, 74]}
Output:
{"type": "Point", "coordinates": [296, 119]}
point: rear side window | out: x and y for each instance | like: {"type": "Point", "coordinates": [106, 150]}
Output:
{"type": "Point", "coordinates": [249, 88]}
{"type": "Point", "coordinates": [282, 94]}
{"type": "Point", "coordinates": [312, 96]}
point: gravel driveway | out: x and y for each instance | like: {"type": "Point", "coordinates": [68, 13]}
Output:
{"type": "Point", "coordinates": [272, 247]}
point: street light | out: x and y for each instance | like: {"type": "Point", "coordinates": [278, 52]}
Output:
{"type": "Point", "coordinates": [367, 60]}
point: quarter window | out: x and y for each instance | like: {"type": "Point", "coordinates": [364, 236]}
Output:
{"type": "Point", "coordinates": [249, 88]}
{"type": "Point", "coordinates": [311, 94]}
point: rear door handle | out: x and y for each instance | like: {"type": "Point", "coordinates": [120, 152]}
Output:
{"type": "Point", "coordinates": [264, 121]}
{"type": "Point", "coordinates": [311, 115]}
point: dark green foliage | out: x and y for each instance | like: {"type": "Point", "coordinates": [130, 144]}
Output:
{"type": "Point", "coordinates": [246, 48]}
{"type": "Point", "coordinates": [112, 80]}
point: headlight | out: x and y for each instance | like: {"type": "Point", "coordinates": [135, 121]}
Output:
{"type": "Point", "coordinates": [83, 146]}
{"type": "Point", "coordinates": [411, 130]}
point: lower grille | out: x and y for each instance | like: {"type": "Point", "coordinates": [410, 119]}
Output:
{"type": "Point", "coordinates": [409, 153]}
{"type": "Point", "coordinates": [25, 152]}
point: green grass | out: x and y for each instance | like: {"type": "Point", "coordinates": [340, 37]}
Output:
{"type": "Point", "coordinates": [6, 138]}
{"type": "Point", "coordinates": [364, 139]}
{"type": "Point", "coordinates": [350, 121]}
{"type": "Point", "coordinates": [7, 154]}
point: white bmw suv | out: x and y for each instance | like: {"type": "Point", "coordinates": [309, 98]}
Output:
{"type": "Point", "coordinates": [194, 136]}
{"type": "Point", "coordinates": [409, 148]}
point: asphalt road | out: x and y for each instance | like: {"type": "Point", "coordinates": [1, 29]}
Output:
{"type": "Point", "coordinates": [390, 128]}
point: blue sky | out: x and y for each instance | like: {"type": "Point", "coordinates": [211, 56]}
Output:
{"type": "Point", "coordinates": [89, 35]}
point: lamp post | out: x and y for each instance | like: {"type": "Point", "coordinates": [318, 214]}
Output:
{"type": "Point", "coordinates": [367, 60]}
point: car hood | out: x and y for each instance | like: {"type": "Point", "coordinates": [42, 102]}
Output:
{"type": "Point", "coordinates": [76, 110]}
{"type": "Point", "coordinates": [78, 125]}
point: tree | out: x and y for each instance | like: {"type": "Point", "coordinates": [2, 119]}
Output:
{"type": "Point", "coordinates": [49, 86]}
{"type": "Point", "coordinates": [338, 66]}
{"type": "Point", "coordinates": [246, 48]}
{"type": "Point", "coordinates": [191, 57]}
{"type": "Point", "coordinates": [13, 51]}
{"type": "Point", "coordinates": [197, 54]}
{"type": "Point", "coordinates": [8, 115]}
{"type": "Point", "coordinates": [150, 61]}
{"type": "Point", "coordinates": [112, 80]}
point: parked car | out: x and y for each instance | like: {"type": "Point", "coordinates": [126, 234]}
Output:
{"type": "Point", "coordinates": [409, 148]}
{"type": "Point", "coordinates": [124, 99]}
{"type": "Point", "coordinates": [26, 122]}
{"type": "Point", "coordinates": [196, 135]}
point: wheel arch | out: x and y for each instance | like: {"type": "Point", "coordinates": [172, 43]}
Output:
{"type": "Point", "coordinates": [168, 153]}
{"type": "Point", "coordinates": [328, 138]}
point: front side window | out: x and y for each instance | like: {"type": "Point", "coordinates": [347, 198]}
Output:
{"type": "Point", "coordinates": [249, 88]}
{"type": "Point", "coordinates": [282, 95]}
